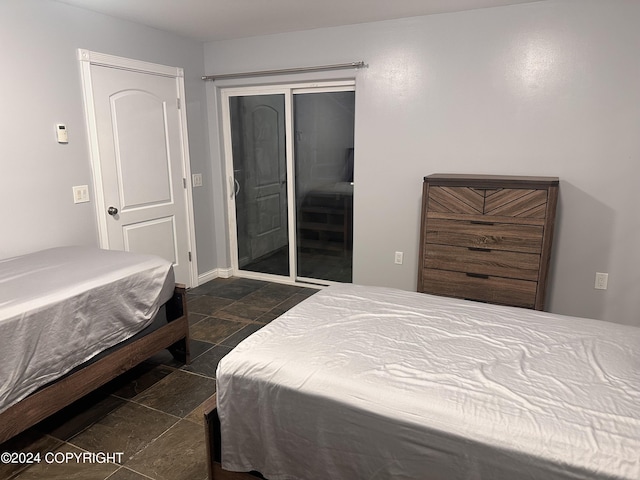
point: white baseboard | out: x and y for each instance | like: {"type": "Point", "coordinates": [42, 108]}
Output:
{"type": "Point", "coordinates": [215, 273]}
{"type": "Point", "coordinates": [225, 272]}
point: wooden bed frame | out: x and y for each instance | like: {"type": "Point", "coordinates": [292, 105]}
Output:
{"type": "Point", "coordinates": [212, 442]}
{"type": "Point", "coordinates": [57, 395]}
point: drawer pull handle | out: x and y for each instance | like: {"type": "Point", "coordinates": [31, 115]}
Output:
{"type": "Point", "coordinates": [478, 249]}
{"type": "Point", "coordinates": [477, 222]}
{"type": "Point", "coordinates": [477, 275]}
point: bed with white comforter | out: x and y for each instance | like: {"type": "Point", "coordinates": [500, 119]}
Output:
{"type": "Point", "coordinates": [61, 307]}
{"type": "Point", "coordinates": [374, 383]}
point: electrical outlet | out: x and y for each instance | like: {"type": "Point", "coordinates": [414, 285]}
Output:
{"type": "Point", "coordinates": [602, 279]}
{"type": "Point", "coordinates": [399, 257]}
{"type": "Point", "coordinates": [196, 179]}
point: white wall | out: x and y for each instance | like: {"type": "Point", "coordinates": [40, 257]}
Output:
{"type": "Point", "coordinates": [548, 88]}
{"type": "Point", "coordinates": [40, 86]}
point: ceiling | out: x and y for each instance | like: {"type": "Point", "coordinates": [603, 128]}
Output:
{"type": "Point", "coordinates": [210, 20]}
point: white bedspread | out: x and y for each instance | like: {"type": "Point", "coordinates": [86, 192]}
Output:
{"type": "Point", "coordinates": [375, 383]}
{"type": "Point", "coordinates": [60, 307]}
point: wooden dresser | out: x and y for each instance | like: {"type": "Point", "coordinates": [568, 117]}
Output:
{"type": "Point", "coordinates": [487, 238]}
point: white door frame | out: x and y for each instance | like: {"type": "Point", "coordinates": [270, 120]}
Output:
{"type": "Point", "coordinates": [288, 90]}
{"type": "Point", "coordinates": [88, 58]}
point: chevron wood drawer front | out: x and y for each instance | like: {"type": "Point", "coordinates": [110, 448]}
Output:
{"type": "Point", "coordinates": [487, 238]}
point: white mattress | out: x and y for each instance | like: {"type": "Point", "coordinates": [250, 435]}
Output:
{"type": "Point", "coordinates": [60, 307]}
{"type": "Point", "coordinates": [374, 383]}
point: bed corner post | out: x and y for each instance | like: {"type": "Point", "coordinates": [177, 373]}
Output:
{"type": "Point", "coordinates": [177, 310]}
{"type": "Point", "coordinates": [212, 435]}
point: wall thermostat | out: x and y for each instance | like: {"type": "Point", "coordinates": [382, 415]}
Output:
{"type": "Point", "coordinates": [61, 133]}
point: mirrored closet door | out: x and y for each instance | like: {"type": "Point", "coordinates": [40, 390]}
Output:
{"type": "Point", "coordinates": [289, 161]}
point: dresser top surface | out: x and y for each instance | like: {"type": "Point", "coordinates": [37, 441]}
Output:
{"type": "Point", "coordinates": [490, 180]}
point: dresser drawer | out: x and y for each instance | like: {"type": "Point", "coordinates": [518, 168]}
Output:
{"type": "Point", "coordinates": [498, 263]}
{"type": "Point", "coordinates": [495, 236]}
{"type": "Point", "coordinates": [507, 202]}
{"type": "Point", "coordinates": [456, 200]}
{"type": "Point", "coordinates": [506, 291]}
{"type": "Point", "coordinates": [516, 202]}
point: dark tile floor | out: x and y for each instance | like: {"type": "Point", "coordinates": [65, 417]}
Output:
{"type": "Point", "coordinates": [153, 413]}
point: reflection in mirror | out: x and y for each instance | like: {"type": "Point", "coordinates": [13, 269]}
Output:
{"type": "Point", "coordinates": [324, 153]}
{"type": "Point", "coordinates": [260, 182]}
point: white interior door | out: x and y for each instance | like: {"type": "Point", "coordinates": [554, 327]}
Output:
{"type": "Point", "coordinates": [141, 168]}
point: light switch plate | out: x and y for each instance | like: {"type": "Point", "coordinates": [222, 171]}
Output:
{"type": "Point", "coordinates": [602, 280]}
{"type": "Point", "coordinates": [196, 179]}
{"type": "Point", "coordinates": [81, 194]}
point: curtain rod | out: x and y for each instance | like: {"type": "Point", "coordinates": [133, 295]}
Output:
{"type": "Point", "coordinates": [338, 66]}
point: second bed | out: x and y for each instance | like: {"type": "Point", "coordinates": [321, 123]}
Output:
{"type": "Point", "coordinates": [376, 383]}
{"type": "Point", "coordinates": [73, 318]}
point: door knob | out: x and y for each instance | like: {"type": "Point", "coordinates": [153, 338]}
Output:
{"type": "Point", "coordinates": [112, 211]}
